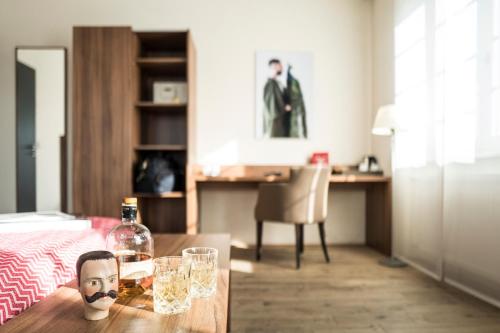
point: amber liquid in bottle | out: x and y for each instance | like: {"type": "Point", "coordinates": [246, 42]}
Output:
{"type": "Point", "coordinates": [135, 275]}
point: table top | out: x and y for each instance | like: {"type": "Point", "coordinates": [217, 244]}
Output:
{"type": "Point", "coordinates": [62, 311]}
{"type": "Point", "coordinates": [277, 173]}
{"type": "Point", "coordinates": [359, 178]}
{"type": "Point", "coordinates": [277, 179]}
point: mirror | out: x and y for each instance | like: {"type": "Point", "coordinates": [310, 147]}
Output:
{"type": "Point", "coordinates": [41, 129]}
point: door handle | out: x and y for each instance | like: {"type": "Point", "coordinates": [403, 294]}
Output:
{"type": "Point", "coordinates": [34, 148]}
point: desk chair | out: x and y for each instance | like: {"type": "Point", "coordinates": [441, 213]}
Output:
{"type": "Point", "coordinates": [303, 200]}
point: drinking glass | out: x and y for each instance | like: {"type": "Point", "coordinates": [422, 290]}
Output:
{"type": "Point", "coordinates": [171, 285]}
{"type": "Point", "coordinates": [203, 270]}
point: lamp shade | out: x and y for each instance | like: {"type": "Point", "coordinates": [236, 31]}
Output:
{"type": "Point", "coordinates": [385, 121]}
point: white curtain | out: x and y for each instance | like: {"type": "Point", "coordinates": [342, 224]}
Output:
{"type": "Point", "coordinates": [418, 176]}
{"type": "Point", "coordinates": [472, 146]}
{"type": "Point", "coordinates": [447, 161]}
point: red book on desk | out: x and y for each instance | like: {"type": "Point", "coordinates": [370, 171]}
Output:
{"type": "Point", "coordinates": [320, 158]}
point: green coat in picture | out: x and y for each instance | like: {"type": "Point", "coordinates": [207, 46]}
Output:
{"type": "Point", "coordinates": [298, 124]}
{"type": "Point", "coordinates": [274, 110]}
{"type": "Point", "coordinates": [284, 114]}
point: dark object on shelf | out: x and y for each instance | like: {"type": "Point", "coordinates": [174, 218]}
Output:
{"type": "Point", "coordinates": [154, 175]}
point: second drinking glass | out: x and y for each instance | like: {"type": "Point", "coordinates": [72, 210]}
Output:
{"type": "Point", "coordinates": [203, 270]}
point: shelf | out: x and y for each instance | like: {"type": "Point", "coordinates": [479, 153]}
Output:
{"type": "Point", "coordinates": [152, 61]}
{"type": "Point", "coordinates": [160, 147]}
{"type": "Point", "coordinates": [152, 106]}
{"type": "Point", "coordinates": [164, 195]}
{"type": "Point", "coordinates": [163, 66]}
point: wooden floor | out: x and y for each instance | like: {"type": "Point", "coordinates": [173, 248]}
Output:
{"type": "Point", "coordinates": [352, 294]}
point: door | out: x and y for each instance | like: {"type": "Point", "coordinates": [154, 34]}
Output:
{"type": "Point", "coordinates": [40, 128]}
{"type": "Point", "coordinates": [25, 140]}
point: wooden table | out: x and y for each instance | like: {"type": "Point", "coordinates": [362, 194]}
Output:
{"type": "Point", "coordinates": [378, 211]}
{"type": "Point", "coordinates": [62, 311]}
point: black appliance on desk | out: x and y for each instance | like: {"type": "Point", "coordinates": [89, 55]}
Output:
{"type": "Point", "coordinates": [369, 165]}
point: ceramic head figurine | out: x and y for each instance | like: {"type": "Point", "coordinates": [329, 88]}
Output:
{"type": "Point", "coordinates": [98, 282]}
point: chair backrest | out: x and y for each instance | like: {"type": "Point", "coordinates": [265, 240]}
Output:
{"type": "Point", "coordinates": [310, 183]}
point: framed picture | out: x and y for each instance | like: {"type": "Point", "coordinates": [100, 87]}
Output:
{"type": "Point", "coordinates": [283, 94]}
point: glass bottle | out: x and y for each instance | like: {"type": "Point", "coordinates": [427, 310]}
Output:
{"type": "Point", "coordinates": [132, 245]}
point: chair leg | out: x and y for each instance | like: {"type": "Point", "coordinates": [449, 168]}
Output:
{"type": "Point", "coordinates": [258, 247]}
{"type": "Point", "coordinates": [297, 245]}
{"type": "Point", "coordinates": [323, 241]}
{"type": "Point", "coordinates": [301, 238]}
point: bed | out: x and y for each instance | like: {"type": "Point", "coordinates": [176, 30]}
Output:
{"type": "Point", "coordinates": [34, 264]}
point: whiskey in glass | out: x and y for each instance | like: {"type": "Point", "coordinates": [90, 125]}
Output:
{"type": "Point", "coordinates": [171, 285]}
{"type": "Point", "coordinates": [203, 270]}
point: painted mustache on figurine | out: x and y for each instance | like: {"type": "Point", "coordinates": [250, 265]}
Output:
{"type": "Point", "coordinates": [97, 295]}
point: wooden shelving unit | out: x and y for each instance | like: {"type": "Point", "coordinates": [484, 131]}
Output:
{"type": "Point", "coordinates": [116, 124]}
{"type": "Point", "coordinates": [164, 129]}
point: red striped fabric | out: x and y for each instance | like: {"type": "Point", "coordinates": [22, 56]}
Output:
{"type": "Point", "coordinates": [33, 265]}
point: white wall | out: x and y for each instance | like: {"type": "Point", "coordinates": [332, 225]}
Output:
{"type": "Point", "coordinates": [227, 34]}
{"type": "Point", "coordinates": [383, 72]}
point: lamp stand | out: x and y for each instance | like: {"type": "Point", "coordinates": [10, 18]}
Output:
{"type": "Point", "coordinates": [392, 261]}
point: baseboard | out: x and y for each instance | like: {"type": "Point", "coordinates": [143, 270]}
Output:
{"type": "Point", "coordinates": [420, 268]}
{"type": "Point", "coordinates": [453, 283]}
{"type": "Point", "coordinates": [473, 292]}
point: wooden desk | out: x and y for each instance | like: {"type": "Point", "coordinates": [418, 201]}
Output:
{"type": "Point", "coordinates": [378, 196]}
{"type": "Point", "coordinates": [63, 310]}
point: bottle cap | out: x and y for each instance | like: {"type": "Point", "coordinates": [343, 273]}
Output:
{"type": "Point", "coordinates": [130, 201]}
